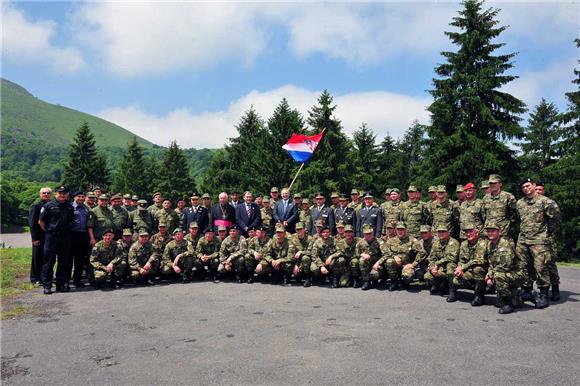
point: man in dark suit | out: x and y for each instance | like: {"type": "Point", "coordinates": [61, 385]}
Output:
{"type": "Point", "coordinates": [248, 214]}
{"type": "Point", "coordinates": [286, 212]}
{"type": "Point", "coordinates": [37, 235]}
{"type": "Point", "coordinates": [197, 213]}
{"type": "Point", "coordinates": [345, 213]}
{"type": "Point", "coordinates": [371, 215]}
{"type": "Point", "coordinates": [222, 213]}
{"type": "Point", "coordinates": [321, 211]}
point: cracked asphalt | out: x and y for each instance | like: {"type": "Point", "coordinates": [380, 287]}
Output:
{"type": "Point", "coordinates": [226, 333]}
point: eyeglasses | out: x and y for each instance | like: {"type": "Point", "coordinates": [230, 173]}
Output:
{"type": "Point", "coordinates": [44, 192]}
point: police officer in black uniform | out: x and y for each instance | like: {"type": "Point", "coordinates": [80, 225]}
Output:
{"type": "Point", "coordinates": [56, 218]}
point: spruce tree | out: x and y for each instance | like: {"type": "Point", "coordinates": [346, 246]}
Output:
{"type": "Point", "coordinates": [131, 174]}
{"type": "Point", "coordinates": [470, 117]}
{"type": "Point", "coordinates": [365, 158]}
{"type": "Point", "coordinates": [174, 179]}
{"type": "Point", "coordinates": [101, 172]}
{"type": "Point", "coordinates": [79, 170]}
{"type": "Point", "coordinates": [388, 155]}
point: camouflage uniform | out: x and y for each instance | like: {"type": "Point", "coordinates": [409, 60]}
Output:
{"type": "Point", "coordinates": [304, 215]}
{"type": "Point", "coordinates": [235, 251]}
{"type": "Point", "coordinates": [268, 220]}
{"type": "Point", "coordinates": [444, 255]}
{"type": "Point", "coordinates": [501, 210]}
{"type": "Point", "coordinates": [103, 255]}
{"type": "Point", "coordinates": [100, 219]}
{"type": "Point", "coordinates": [471, 212]}
{"type": "Point", "coordinates": [211, 249]}
{"type": "Point", "coordinates": [348, 251]}
{"type": "Point", "coordinates": [446, 214]}
{"type": "Point", "coordinates": [473, 260]}
{"type": "Point", "coordinates": [141, 221]}
{"type": "Point", "coordinates": [504, 269]}
{"type": "Point", "coordinates": [171, 251]}
{"type": "Point", "coordinates": [414, 214]}
{"type": "Point", "coordinates": [374, 250]}
{"type": "Point", "coordinates": [391, 212]}
{"type": "Point", "coordinates": [406, 250]}
{"type": "Point", "coordinates": [168, 217]}
{"type": "Point", "coordinates": [193, 240]}
{"type": "Point", "coordinates": [278, 251]}
{"type": "Point", "coordinates": [180, 214]}
{"type": "Point", "coordinates": [320, 251]}
{"type": "Point", "coordinates": [120, 221]}
{"type": "Point", "coordinates": [299, 245]}
{"type": "Point", "coordinates": [139, 255]}
{"type": "Point", "coordinates": [255, 245]}
{"type": "Point", "coordinates": [159, 243]}
{"type": "Point", "coordinates": [152, 209]}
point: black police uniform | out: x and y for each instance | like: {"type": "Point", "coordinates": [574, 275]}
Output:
{"type": "Point", "coordinates": [58, 218]}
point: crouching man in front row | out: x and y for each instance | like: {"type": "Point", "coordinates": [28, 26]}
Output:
{"type": "Point", "coordinates": [142, 260]}
{"type": "Point", "coordinates": [108, 262]}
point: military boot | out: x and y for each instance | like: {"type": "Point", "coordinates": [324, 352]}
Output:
{"type": "Point", "coordinates": [555, 292]}
{"type": "Point", "coordinates": [506, 307]}
{"type": "Point", "coordinates": [251, 278]}
{"type": "Point", "coordinates": [286, 280]}
{"type": "Point", "coordinates": [308, 282]}
{"type": "Point", "coordinates": [478, 298]}
{"type": "Point", "coordinates": [433, 290]}
{"type": "Point", "coordinates": [527, 295]}
{"type": "Point", "coordinates": [394, 285]}
{"type": "Point", "coordinates": [452, 297]}
{"type": "Point", "coordinates": [356, 283]}
{"type": "Point", "coordinates": [366, 285]}
{"type": "Point", "coordinates": [335, 281]}
{"type": "Point", "coordinates": [544, 300]}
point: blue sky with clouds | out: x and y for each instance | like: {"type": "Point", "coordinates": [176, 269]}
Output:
{"type": "Point", "coordinates": [188, 71]}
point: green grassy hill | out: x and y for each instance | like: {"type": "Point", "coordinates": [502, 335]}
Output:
{"type": "Point", "coordinates": [28, 118]}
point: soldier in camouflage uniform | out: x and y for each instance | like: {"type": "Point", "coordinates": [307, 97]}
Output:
{"type": "Point", "coordinates": [414, 212]}
{"type": "Point", "coordinates": [222, 233]}
{"type": "Point", "coordinates": [390, 232]}
{"type": "Point", "coordinates": [107, 261]}
{"type": "Point", "coordinates": [347, 249]}
{"type": "Point", "coordinates": [445, 212]}
{"type": "Point", "coordinates": [142, 260]}
{"type": "Point", "coordinates": [120, 217]}
{"type": "Point", "coordinates": [100, 220]}
{"type": "Point", "coordinates": [180, 210]}
{"type": "Point", "coordinates": [504, 272]}
{"type": "Point", "coordinates": [554, 275]}
{"type": "Point", "coordinates": [423, 247]}
{"type": "Point", "coordinates": [277, 258]}
{"type": "Point", "coordinates": [140, 219]}
{"type": "Point", "coordinates": [167, 215]}
{"type": "Point", "coordinates": [391, 209]}
{"type": "Point", "coordinates": [472, 265]}
{"type": "Point", "coordinates": [299, 243]}
{"type": "Point", "coordinates": [432, 191]}
{"type": "Point", "coordinates": [442, 261]}
{"type": "Point", "coordinates": [334, 196]}
{"type": "Point", "coordinates": [175, 260]}
{"type": "Point", "coordinates": [157, 200]}
{"type": "Point", "coordinates": [128, 203]}
{"type": "Point", "coordinates": [208, 254]}
{"type": "Point", "coordinates": [206, 198]}
{"type": "Point", "coordinates": [538, 216]}
{"type": "Point", "coordinates": [232, 253]}
{"type": "Point", "coordinates": [304, 212]}
{"type": "Point", "coordinates": [125, 243]}
{"type": "Point", "coordinates": [193, 236]}
{"type": "Point", "coordinates": [460, 192]}
{"type": "Point", "coordinates": [355, 203]}
{"type": "Point", "coordinates": [471, 211]}
{"type": "Point", "coordinates": [368, 252]}
{"type": "Point", "coordinates": [160, 241]}
{"type": "Point", "coordinates": [399, 253]}
{"type": "Point", "coordinates": [485, 187]}
{"type": "Point", "coordinates": [324, 261]}
{"type": "Point", "coordinates": [339, 231]}
{"type": "Point", "coordinates": [267, 214]}
{"type": "Point", "coordinates": [256, 249]}
{"type": "Point", "coordinates": [499, 207]}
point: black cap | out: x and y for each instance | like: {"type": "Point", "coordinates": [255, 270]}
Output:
{"type": "Point", "coordinates": [62, 189]}
{"type": "Point", "coordinates": [524, 181]}
{"type": "Point", "coordinates": [78, 193]}
{"type": "Point", "coordinates": [208, 229]}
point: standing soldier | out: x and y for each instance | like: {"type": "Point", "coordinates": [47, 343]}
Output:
{"type": "Point", "coordinates": [299, 243]}
{"type": "Point", "coordinates": [232, 253]}
{"type": "Point", "coordinates": [471, 211]}
{"type": "Point", "coordinates": [370, 215]}
{"type": "Point", "coordinates": [206, 198]}
{"type": "Point", "coordinates": [499, 207]}
{"type": "Point", "coordinates": [392, 208]}
{"type": "Point", "coordinates": [554, 275]}
{"type": "Point", "coordinates": [334, 196]}
{"type": "Point", "coordinates": [432, 191]}
{"type": "Point", "coordinates": [345, 213]}
{"type": "Point", "coordinates": [135, 201]}
{"type": "Point", "coordinates": [304, 212]}
{"type": "Point", "coordinates": [503, 272]}
{"type": "Point", "coordinates": [256, 249]}
{"type": "Point", "coordinates": [55, 219]}
{"type": "Point", "coordinates": [485, 187]}
{"type": "Point", "coordinates": [414, 212]}
{"type": "Point", "coordinates": [399, 255]}
{"type": "Point", "coordinates": [125, 244]}
{"type": "Point", "coordinates": [368, 252]}
{"type": "Point", "coordinates": [472, 266]}
{"type": "Point", "coordinates": [91, 200]}
{"type": "Point", "coordinates": [142, 260]}
{"type": "Point", "coordinates": [80, 243]}
{"type": "Point", "coordinates": [167, 215]}
{"type": "Point", "coordinates": [538, 216]}
{"type": "Point", "coordinates": [460, 192]}
{"type": "Point", "coordinates": [38, 235]}
{"type": "Point", "coordinates": [321, 212]}
{"type": "Point", "coordinates": [442, 261]}
{"type": "Point", "coordinates": [140, 219]}
{"type": "Point", "coordinates": [276, 258]}
{"type": "Point", "coordinates": [445, 212]}
{"type": "Point", "coordinates": [173, 261]}
{"type": "Point", "coordinates": [180, 211]}
{"type": "Point", "coordinates": [120, 216]}
{"type": "Point", "coordinates": [267, 214]}
{"type": "Point", "coordinates": [156, 204]}
{"type": "Point", "coordinates": [196, 213]}
{"type": "Point", "coordinates": [275, 195]}
{"type": "Point", "coordinates": [128, 203]}
{"type": "Point", "coordinates": [101, 219]}
{"type": "Point", "coordinates": [107, 261]}
{"type": "Point", "coordinates": [355, 200]}
{"type": "Point", "coordinates": [208, 254]}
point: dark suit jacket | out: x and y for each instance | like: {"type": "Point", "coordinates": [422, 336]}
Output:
{"type": "Point", "coordinates": [36, 231]}
{"type": "Point", "coordinates": [290, 215]}
{"type": "Point", "coordinates": [200, 216]}
{"type": "Point", "coordinates": [372, 217]}
{"type": "Point", "coordinates": [254, 220]}
{"type": "Point", "coordinates": [347, 216]}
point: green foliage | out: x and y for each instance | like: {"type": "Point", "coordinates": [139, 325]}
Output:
{"type": "Point", "coordinates": [366, 158]}
{"type": "Point", "coordinates": [14, 263]}
{"type": "Point", "coordinates": [18, 195]}
{"type": "Point", "coordinates": [174, 180]}
{"type": "Point", "coordinates": [469, 114]}
{"type": "Point", "coordinates": [131, 172]}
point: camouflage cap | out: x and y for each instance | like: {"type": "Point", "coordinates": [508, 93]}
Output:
{"type": "Point", "coordinates": [265, 199]}
{"type": "Point", "coordinates": [441, 189]}
{"type": "Point", "coordinates": [441, 228]}
{"type": "Point", "coordinates": [156, 194]}
{"type": "Point", "coordinates": [432, 189]}
{"type": "Point", "coordinates": [127, 196]}
{"type": "Point", "coordinates": [484, 184]}
{"type": "Point", "coordinates": [367, 229]}
{"type": "Point", "coordinates": [388, 191]}
{"type": "Point", "coordinates": [491, 225]}
{"type": "Point", "coordinates": [493, 178]}
{"type": "Point", "coordinates": [274, 189]}
{"type": "Point", "coordinates": [116, 197]}
{"type": "Point", "coordinates": [142, 202]}
{"type": "Point", "coordinates": [222, 228]}
{"type": "Point", "coordinates": [177, 230]}
{"type": "Point", "coordinates": [390, 224]}
{"type": "Point", "coordinates": [319, 223]}
{"type": "Point", "coordinates": [103, 197]}
{"type": "Point", "coordinates": [401, 225]}
{"type": "Point", "coordinates": [127, 232]}
{"type": "Point", "coordinates": [412, 188]}
{"type": "Point", "coordinates": [340, 224]}
{"type": "Point", "coordinates": [354, 192]}
{"type": "Point", "coordinates": [193, 225]}
{"type": "Point", "coordinates": [468, 225]}
{"type": "Point", "coordinates": [91, 195]}
{"type": "Point", "coordinates": [305, 201]}
{"type": "Point", "coordinates": [143, 233]}
{"type": "Point", "coordinates": [334, 195]}
{"type": "Point", "coordinates": [395, 190]}
{"type": "Point", "coordinates": [348, 228]}
{"type": "Point", "coordinates": [299, 225]}
{"type": "Point", "coordinates": [162, 223]}
{"type": "Point", "coordinates": [425, 228]}
{"type": "Point", "coordinates": [459, 188]}
{"type": "Point", "coordinates": [280, 228]}
{"type": "Point", "coordinates": [297, 195]}
{"type": "Point", "coordinates": [135, 197]}
{"type": "Point", "coordinates": [205, 196]}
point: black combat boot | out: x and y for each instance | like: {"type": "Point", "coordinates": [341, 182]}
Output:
{"type": "Point", "coordinates": [452, 297]}
{"type": "Point", "coordinates": [506, 306]}
{"type": "Point", "coordinates": [356, 283]}
{"type": "Point", "coordinates": [434, 289]}
{"type": "Point", "coordinates": [394, 285]}
{"type": "Point", "coordinates": [251, 278]}
{"type": "Point", "coordinates": [555, 292]}
{"type": "Point", "coordinates": [366, 285]}
{"type": "Point", "coordinates": [185, 279]}
{"type": "Point", "coordinates": [478, 298]}
{"type": "Point", "coordinates": [544, 300]}
{"type": "Point", "coordinates": [286, 280]}
{"type": "Point", "coordinates": [335, 282]}
{"type": "Point", "coordinates": [527, 295]}
{"type": "Point", "coordinates": [47, 290]}
{"type": "Point", "coordinates": [308, 282]}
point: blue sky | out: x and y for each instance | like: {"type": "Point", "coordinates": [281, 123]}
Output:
{"type": "Point", "coordinates": [188, 71]}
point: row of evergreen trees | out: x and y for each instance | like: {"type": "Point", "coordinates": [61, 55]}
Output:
{"type": "Point", "coordinates": [474, 130]}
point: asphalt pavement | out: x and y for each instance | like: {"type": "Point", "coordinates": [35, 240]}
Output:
{"type": "Point", "coordinates": [227, 333]}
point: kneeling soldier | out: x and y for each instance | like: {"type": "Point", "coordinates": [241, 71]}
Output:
{"type": "Point", "coordinates": [256, 247]}
{"type": "Point", "coordinates": [347, 249]}
{"type": "Point", "coordinates": [277, 259]}
{"type": "Point", "coordinates": [299, 243]}
{"type": "Point", "coordinates": [368, 251]}
{"type": "Point", "coordinates": [232, 253]}
{"type": "Point", "coordinates": [442, 261]}
{"type": "Point", "coordinates": [470, 272]}
{"type": "Point", "coordinates": [107, 261]}
{"type": "Point", "coordinates": [399, 254]}
{"type": "Point", "coordinates": [208, 254]}
{"type": "Point", "coordinates": [324, 260]}
{"type": "Point", "coordinates": [175, 259]}
{"type": "Point", "coordinates": [142, 260]}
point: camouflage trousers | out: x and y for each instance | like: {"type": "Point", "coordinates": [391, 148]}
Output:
{"type": "Point", "coordinates": [366, 267]}
{"type": "Point", "coordinates": [406, 275]}
{"type": "Point", "coordinates": [100, 274]}
{"type": "Point", "coordinates": [506, 283]}
{"type": "Point", "coordinates": [212, 265]}
{"type": "Point", "coordinates": [135, 275]}
{"type": "Point", "coordinates": [166, 267]}
{"type": "Point", "coordinates": [473, 278]}
{"type": "Point", "coordinates": [538, 259]}
{"type": "Point", "coordinates": [251, 263]}
{"type": "Point", "coordinates": [445, 275]}
{"type": "Point", "coordinates": [238, 266]}
{"type": "Point", "coordinates": [284, 269]}
{"type": "Point", "coordinates": [554, 275]}
{"type": "Point", "coordinates": [354, 265]}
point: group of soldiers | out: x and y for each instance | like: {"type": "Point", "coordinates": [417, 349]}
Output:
{"type": "Point", "coordinates": [353, 241]}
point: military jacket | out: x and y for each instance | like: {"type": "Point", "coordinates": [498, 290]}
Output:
{"type": "Point", "coordinates": [443, 253]}
{"type": "Point", "coordinates": [140, 254]}
{"type": "Point", "coordinates": [174, 248]}
{"type": "Point", "coordinates": [500, 209]}
{"type": "Point", "coordinates": [124, 248]}
{"type": "Point", "coordinates": [471, 212]}
{"type": "Point", "coordinates": [141, 221]}
{"type": "Point", "coordinates": [325, 214]}
{"type": "Point", "coordinates": [405, 249]}
{"type": "Point", "coordinates": [101, 219]}
{"type": "Point", "coordinates": [501, 257]}
{"type": "Point", "coordinates": [152, 209]}
{"type": "Point", "coordinates": [278, 251]}
{"type": "Point", "coordinates": [120, 219]}
{"type": "Point", "coordinates": [446, 214]}
{"type": "Point", "coordinates": [208, 248]}
{"type": "Point", "coordinates": [129, 208]}
{"type": "Point", "coordinates": [538, 217]}
{"type": "Point", "coordinates": [373, 249]}
{"type": "Point", "coordinates": [103, 255]}
{"type": "Point", "coordinates": [424, 250]}
{"type": "Point", "coordinates": [391, 212]}
{"type": "Point", "coordinates": [159, 243]}
{"type": "Point", "coordinates": [257, 245]}
{"type": "Point", "coordinates": [320, 251]}
{"type": "Point", "coordinates": [268, 219]}
{"type": "Point", "coordinates": [193, 241]}
{"type": "Point", "coordinates": [169, 217]}
{"type": "Point", "coordinates": [414, 214]}
{"type": "Point", "coordinates": [372, 216]}
{"type": "Point", "coordinates": [304, 216]}
{"type": "Point", "coordinates": [471, 256]}
{"type": "Point", "coordinates": [233, 248]}
{"type": "Point", "coordinates": [348, 251]}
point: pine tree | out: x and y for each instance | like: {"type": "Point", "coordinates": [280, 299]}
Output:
{"type": "Point", "coordinates": [79, 171]}
{"type": "Point", "coordinates": [101, 172]}
{"type": "Point", "coordinates": [470, 115]}
{"type": "Point", "coordinates": [365, 157]}
{"type": "Point", "coordinates": [330, 168]}
{"type": "Point", "coordinates": [412, 151]}
{"type": "Point", "coordinates": [131, 174]}
{"type": "Point", "coordinates": [174, 179]}
{"type": "Point", "coordinates": [388, 156]}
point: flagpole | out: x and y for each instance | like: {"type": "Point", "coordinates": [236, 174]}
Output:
{"type": "Point", "coordinates": [294, 179]}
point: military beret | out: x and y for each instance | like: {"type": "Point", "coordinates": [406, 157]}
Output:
{"type": "Point", "coordinates": [116, 197]}
{"type": "Point", "coordinates": [401, 225]}
{"type": "Point", "coordinates": [441, 189]}
{"type": "Point", "coordinates": [432, 189]}
{"type": "Point", "coordinates": [193, 225]}
{"type": "Point", "coordinates": [368, 195]}
{"type": "Point", "coordinates": [491, 225]}
{"type": "Point", "coordinates": [156, 194]}
{"type": "Point", "coordinates": [280, 228]}
{"type": "Point", "coordinates": [395, 190]}
{"type": "Point", "coordinates": [127, 196]}
{"type": "Point", "coordinates": [319, 195]}
{"type": "Point", "coordinates": [135, 197]}
{"type": "Point", "coordinates": [319, 223]}
{"type": "Point", "coordinates": [142, 202]}
{"type": "Point", "coordinates": [234, 227]}
{"type": "Point", "coordinates": [96, 187]}
{"type": "Point", "coordinates": [334, 195]}
{"type": "Point", "coordinates": [348, 228]}
{"type": "Point", "coordinates": [354, 192]}
{"type": "Point", "coordinates": [62, 189]}
{"type": "Point", "coordinates": [103, 197]}
{"type": "Point", "coordinates": [208, 229]}
{"type": "Point", "coordinates": [484, 184]}
{"type": "Point", "coordinates": [274, 189]}
{"type": "Point", "coordinates": [468, 186]}
{"type": "Point", "coordinates": [412, 188]}
{"type": "Point", "coordinates": [127, 232]}
{"type": "Point", "coordinates": [143, 233]}
{"type": "Point", "coordinates": [525, 181]}
{"type": "Point", "coordinates": [260, 228]}
{"type": "Point", "coordinates": [78, 193]}
{"type": "Point", "coordinates": [305, 201]}
{"type": "Point", "coordinates": [297, 195]}
{"type": "Point", "coordinates": [325, 228]}
{"type": "Point", "coordinates": [252, 228]}
{"type": "Point", "coordinates": [258, 196]}
{"type": "Point", "coordinates": [493, 178]}
{"type": "Point", "coordinates": [91, 195]}
{"type": "Point", "coordinates": [442, 228]}
{"type": "Point", "coordinates": [177, 230]}
{"type": "Point", "coordinates": [340, 224]}
{"type": "Point", "coordinates": [266, 199]}
{"type": "Point", "coordinates": [459, 188]}
{"type": "Point", "coordinates": [367, 229]}
{"type": "Point", "coordinates": [539, 183]}
{"type": "Point", "coordinates": [425, 228]}
{"type": "Point", "coordinates": [299, 225]}
{"type": "Point", "coordinates": [180, 199]}
{"type": "Point", "coordinates": [222, 228]}
{"type": "Point", "coordinates": [108, 231]}
{"type": "Point", "coordinates": [205, 195]}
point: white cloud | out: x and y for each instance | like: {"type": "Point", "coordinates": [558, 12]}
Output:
{"type": "Point", "coordinates": [382, 111]}
{"type": "Point", "coordinates": [30, 41]}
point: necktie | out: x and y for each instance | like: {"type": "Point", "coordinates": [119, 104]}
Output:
{"type": "Point", "coordinates": [285, 205]}
{"type": "Point", "coordinates": [248, 210]}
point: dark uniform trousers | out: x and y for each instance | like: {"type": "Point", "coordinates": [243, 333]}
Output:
{"type": "Point", "coordinates": [56, 244]}
{"type": "Point", "coordinates": [37, 261]}
{"type": "Point", "coordinates": [80, 251]}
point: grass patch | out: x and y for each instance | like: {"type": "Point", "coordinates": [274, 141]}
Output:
{"type": "Point", "coordinates": [572, 263]}
{"type": "Point", "coordinates": [14, 264]}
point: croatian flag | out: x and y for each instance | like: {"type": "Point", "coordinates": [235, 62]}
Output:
{"type": "Point", "coordinates": [301, 147]}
